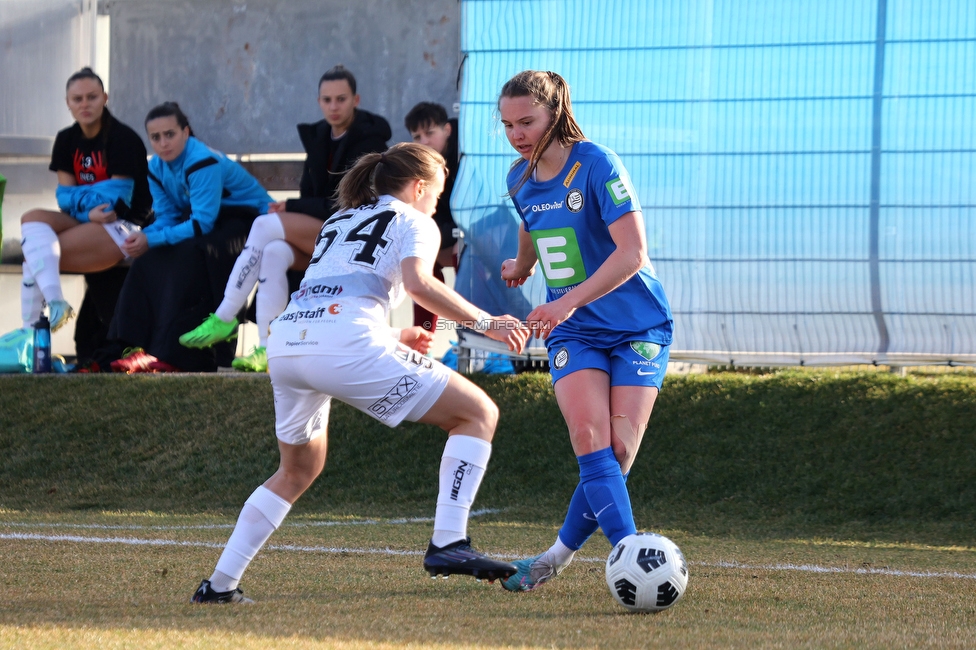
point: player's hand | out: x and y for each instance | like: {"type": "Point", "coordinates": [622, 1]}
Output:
{"type": "Point", "coordinates": [508, 330]}
{"type": "Point", "coordinates": [102, 214]}
{"type": "Point", "coordinates": [417, 338]}
{"type": "Point", "coordinates": [513, 275]}
{"type": "Point", "coordinates": [544, 318]}
{"type": "Point", "coordinates": [277, 206]}
{"type": "Point", "coordinates": [135, 244]}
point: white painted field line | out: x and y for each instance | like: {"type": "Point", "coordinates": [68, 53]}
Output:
{"type": "Point", "coordinates": [803, 568]}
{"type": "Point", "coordinates": [133, 541]}
{"type": "Point", "coordinates": [287, 524]}
{"type": "Point", "coordinates": [814, 568]}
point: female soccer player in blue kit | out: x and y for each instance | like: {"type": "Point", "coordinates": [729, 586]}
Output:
{"type": "Point", "coordinates": [606, 321]}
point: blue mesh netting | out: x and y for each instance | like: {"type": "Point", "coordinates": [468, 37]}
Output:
{"type": "Point", "coordinates": [806, 169]}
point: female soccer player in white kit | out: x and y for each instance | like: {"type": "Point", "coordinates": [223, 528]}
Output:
{"type": "Point", "coordinates": [333, 341]}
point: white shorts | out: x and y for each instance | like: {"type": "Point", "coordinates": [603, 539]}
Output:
{"type": "Point", "coordinates": [391, 385]}
{"type": "Point", "coordinates": [119, 229]}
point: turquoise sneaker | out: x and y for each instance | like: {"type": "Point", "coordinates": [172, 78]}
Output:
{"type": "Point", "coordinates": [210, 332]}
{"type": "Point", "coordinates": [61, 313]}
{"type": "Point", "coordinates": [532, 572]}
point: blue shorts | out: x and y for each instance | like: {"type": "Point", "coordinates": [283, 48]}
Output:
{"type": "Point", "coordinates": [637, 363]}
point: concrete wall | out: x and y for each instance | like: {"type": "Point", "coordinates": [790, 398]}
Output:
{"type": "Point", "coordinates": [247, 72]}
{"type": "Point", "coordinates": [39, 50]}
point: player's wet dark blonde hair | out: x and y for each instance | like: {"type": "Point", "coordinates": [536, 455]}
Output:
{"type": "Point", "coordinates": [550, 90]}
{"type": "Point", "coordinates": [387, 173]}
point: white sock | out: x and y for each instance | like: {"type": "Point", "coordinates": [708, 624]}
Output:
{"type": "Point", "coordinates": [42, 254]}
{"type": "Point", "coordinates": [272, 295]}
{"type": "Point", "coordinates": [261, 515]}
{"type": "Point", "coordinates": [559, 555]}
{"type": "Point", "coordinates": [31, 298]}
{"type": "Point", "coordinates": [462, 468]}
{"type": "Point", "coordinates": [264, 230]}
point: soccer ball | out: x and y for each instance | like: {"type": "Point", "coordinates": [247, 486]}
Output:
{"type": "Point", "coordinates": [646, 572]}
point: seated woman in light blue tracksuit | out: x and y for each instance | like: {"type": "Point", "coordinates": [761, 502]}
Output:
{"type": "Point", "coordinates": [204, 205]}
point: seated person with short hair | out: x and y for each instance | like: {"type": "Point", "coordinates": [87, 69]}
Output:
{"type": "Point", "coordinates": [429, 125]}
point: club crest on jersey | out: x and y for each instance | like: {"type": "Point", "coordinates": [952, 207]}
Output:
{"type": "Point", "coordinates": [574, 200]}
{"type": "Point", "coordinates": [560, 359]}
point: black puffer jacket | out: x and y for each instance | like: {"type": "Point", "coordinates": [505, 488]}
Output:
{"type": "Point", "coordinates": [368, 133]}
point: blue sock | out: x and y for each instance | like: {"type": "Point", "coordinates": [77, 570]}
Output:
{"type": "Point", "coordinates": [606, 493]}
{"type": "Point", "coordinates": [580, 523]}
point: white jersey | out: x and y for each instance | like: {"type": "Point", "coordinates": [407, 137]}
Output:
{"type": "Point", "coordinates": [354, 278]}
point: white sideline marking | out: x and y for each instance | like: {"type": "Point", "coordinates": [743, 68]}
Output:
{"type": "Point", "coordinates": [805, 568]}
{"type": "Point", "coordinates": [287, 524]}
{"type": "Point", "coordinates": [813, 568]}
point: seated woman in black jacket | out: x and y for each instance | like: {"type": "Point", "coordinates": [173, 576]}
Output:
{"type": "Point", "coordinates": [285, 238]}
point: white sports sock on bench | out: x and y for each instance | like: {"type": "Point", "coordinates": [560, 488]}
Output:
{"type": "Point", "coordinates": [31, 298]}
{"type": "Point", "coordinates": [42, 255]}
{"type": "Point", "coordinates": [264, 230]}
{"type": "Point", "coordinates": [272, 295]}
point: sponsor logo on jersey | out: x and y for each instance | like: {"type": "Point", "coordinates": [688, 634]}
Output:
{"type": "Point", "coordinates": [646, 349]}
{"type": "Point", "coordinates": [302, 334]}
{"type": "Point", "coordinates": [294, 344]}
{"type": "Point", "coordinates": [559, 255]}
{"type": "Point", "coordinates": [394, 399]}
{"type": "Point", "coordinates": [335, 308]}
{"type": "Point", "coordinates": [305, 314]}
{"type": "Point", "coordinates": [619, 191]}
{"type": "Point", "coordinates": [314, 290]}
{"type": "Point", "coordinates": [560, 359]}
{"type": "Point", "coordinates": [545, 207]}
{"type": "Point", "coordinates": [574, 200]}
{"type": "Point", "coordinates": [572, 174]}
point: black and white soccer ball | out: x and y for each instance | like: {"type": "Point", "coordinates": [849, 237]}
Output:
{"type": "Point", "coordinates": [646, 572]}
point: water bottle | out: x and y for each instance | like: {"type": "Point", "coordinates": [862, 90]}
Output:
{"type": "Point", "coordinates": [42, 345]}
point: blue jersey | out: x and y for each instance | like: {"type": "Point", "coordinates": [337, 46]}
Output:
{"type": "Point", "coordinates": [198, 183]}
{"type": "Point", "coordinates": [568, 218]}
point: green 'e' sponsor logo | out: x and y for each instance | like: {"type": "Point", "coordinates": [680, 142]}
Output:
{"type": "Point", "coordinates": [559, 255]}
{"type": "Point", "coordinates": [618, 191]}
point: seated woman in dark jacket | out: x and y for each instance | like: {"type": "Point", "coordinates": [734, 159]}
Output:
{"type": "Point", "coordinates": [285, 238]}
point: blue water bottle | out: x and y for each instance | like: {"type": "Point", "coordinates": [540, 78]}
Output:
{"type": "Point", "coordinates": [42, 345]}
